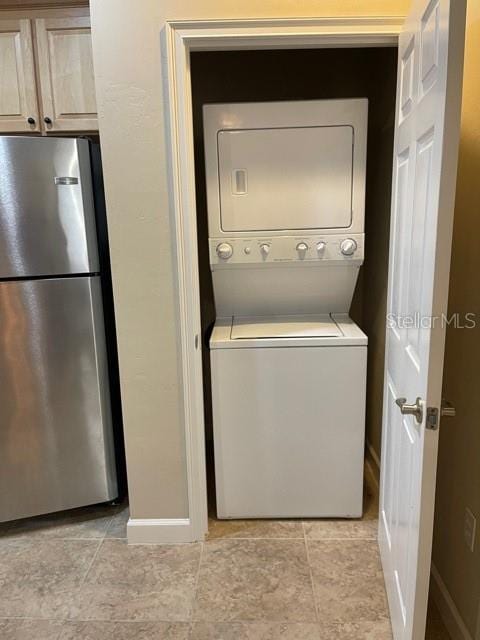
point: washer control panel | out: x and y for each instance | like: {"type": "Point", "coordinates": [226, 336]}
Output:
{"type": "Point", "coordinates": [281, 249]}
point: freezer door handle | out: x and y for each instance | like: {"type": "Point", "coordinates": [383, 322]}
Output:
{"type": "Point", "coordinates": [65, 180]}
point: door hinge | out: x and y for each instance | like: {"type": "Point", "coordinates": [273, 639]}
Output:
{"type": "Point", "coordinates": [432, 418]}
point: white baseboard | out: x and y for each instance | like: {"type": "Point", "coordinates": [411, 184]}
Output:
{"type": "Point", "coordinates": [446, 606]}
{"type": "Point", "coordinates": [159, 531]}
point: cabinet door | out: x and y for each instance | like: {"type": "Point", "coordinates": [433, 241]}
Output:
{"type": "Point", "coordinates": [67, 84]}
{"type": "Point", "coordinates": [18, 97]}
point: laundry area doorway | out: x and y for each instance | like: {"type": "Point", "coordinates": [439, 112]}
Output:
{"type": "Point", "coordinates": [310, 75]}
{"type": "Point", "coordinates": [183, 133]}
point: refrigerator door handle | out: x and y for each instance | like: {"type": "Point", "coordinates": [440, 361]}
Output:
{"type": "Point", "coordinates": [65, 180]}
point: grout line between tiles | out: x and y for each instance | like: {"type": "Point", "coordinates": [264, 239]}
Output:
{"type": "Point", "coordinates": [341, 539]}
{"type": "Point", "coordinates": [82, 582]}
{"type": "Point", "coordinates": [231, 538]}
{"type": "Point", "coordinates": [314, 595]}
{"type": "Point", "coordinates": [195, 588]}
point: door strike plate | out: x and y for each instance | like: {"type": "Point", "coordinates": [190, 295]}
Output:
{"type": "Point", "coordinates": [432, 418]}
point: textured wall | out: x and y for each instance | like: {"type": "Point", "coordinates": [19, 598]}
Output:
{"type": "Point", "coordinates": [126, 43]}
{"type": "Point", "coordinates": [458, 484]}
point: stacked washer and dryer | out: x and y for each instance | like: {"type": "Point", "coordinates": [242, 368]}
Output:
{"type": "Point", "coordinates": [286, 205]}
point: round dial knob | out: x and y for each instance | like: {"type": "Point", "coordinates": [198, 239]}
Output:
{"type": "Point", "coordinates": [321, 246]}
{"type": "Point", "coordinates": [348, 247]}
{"type": "Point", "coordinates": [224, 250]}
{"type": "Point", "coordinates": [265, 249]}
{"type": "Point", "coordinates": [302, 247]}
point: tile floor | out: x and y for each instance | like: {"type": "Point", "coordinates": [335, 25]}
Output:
{"type": "Point", "coordinates": [73, 577]}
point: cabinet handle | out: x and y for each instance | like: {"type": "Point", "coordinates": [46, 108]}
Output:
{"type": "Point", "coordinates": [31, 120]}
{"type": "Point", "coordinates": [47, 120]}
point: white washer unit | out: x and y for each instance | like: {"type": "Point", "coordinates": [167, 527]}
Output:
{"type": "Point", "coordinates": [286, 191]}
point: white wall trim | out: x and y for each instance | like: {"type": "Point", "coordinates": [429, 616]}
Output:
{"type": "Point", "coordinates": [446, 606]}
{"type": "Point", "coordinates": [159, 531]}
{"type": "Point", "coordinates": [179, 38]}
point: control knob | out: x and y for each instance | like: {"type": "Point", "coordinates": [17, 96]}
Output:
{"type": "Point", "coordinates": [265, 250]}
{"type": "Point", "coordinates": [348, 247]}
{"type": "Point", "coordinates": [302, 248]}
{"type": "Point", "coordinates": [224, 251]}
{"type": "Point", "coordinates": [321, 246]}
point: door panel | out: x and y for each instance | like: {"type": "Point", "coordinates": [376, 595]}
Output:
{"type": "Point", "coordinates": [56, 445]}
{"type": "Point", "coordinates": [66, 73]}
{"type": "Point", "coordinates": [18, 101]}
{"type": "Point", "coordinates": [425, 158]}
{"type": "Point", "coordinates": [47, 219]}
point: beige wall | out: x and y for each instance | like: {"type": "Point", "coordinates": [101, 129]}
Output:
{"type": "Point", "coordinates": [126, 42]}
{"type": "Point", "coordinates": [458, 483]}
{"type": "Point", "coordinates": [130, 98]}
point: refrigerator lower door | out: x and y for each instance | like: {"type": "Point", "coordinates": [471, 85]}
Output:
{"type": "Point", "coordinates": [56, 441]}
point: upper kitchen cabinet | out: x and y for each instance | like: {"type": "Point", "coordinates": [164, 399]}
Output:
{"type": "Point", "coordinates": [18, 96]}
{"type": "Point", "coordinates": [65, 64]}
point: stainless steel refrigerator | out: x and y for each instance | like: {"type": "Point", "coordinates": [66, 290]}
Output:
{"type": "Point", "coordinates": [56, 440]}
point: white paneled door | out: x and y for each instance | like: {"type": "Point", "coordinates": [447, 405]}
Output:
{"type": "Point", "coordinates": [424, 175]}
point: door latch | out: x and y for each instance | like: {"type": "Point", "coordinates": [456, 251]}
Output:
{"type": "Point", "coordinates": [411, 409]}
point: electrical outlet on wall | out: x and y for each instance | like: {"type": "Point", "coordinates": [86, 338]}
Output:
{"type": "Point", "coordinates": [469, 528]}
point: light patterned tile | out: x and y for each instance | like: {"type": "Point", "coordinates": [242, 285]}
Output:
{"type": "Point", "coordinates": [139, 582]}
{"type": "Point", "coordinates": [254, 580]}
{"type": "Point", "coordinates": [18, 629]}
{"type": "Point", "coordinates": [348, 581]}
{"type": "Point", "coordinates": [125, 631]}
{"type": "Point", "coordinates": [254, 529]}
{"type": "Point", "coordinates": [39, 578]}
{"type": "Point", "coordinates": [254, 631]}
{"type": "Point", "coordinates": [341, 529]}
{"type": "Point", "coordinates": [375, 630]}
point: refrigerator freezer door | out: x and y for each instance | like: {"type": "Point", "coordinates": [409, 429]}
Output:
{"type": "Point", "coordinates": [56, 445]}
{"type": "Point", "coordinates": [47, 219]}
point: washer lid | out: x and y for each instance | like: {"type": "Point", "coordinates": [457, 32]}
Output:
{"type": "Point", "coordinates": [312, 326]}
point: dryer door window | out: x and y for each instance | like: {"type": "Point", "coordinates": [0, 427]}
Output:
{"type": "Point", "coordinates": [286, 178]}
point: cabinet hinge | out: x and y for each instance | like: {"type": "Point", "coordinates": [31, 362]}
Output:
{"type": "Point", "coordinates": [432, 418]}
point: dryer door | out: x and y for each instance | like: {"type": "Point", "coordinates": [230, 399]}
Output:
{"type": "Point", "coordinates": [286, 178]}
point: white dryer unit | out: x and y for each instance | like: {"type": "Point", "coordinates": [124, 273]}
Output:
{"type": "Point", "coordinates": [274, 167]}
{"type": "Point", "coordinates": [285, 192]}
{"type": "Point", "coordinates": [289, 416]}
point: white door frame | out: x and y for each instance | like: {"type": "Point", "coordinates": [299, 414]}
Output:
{"type": "Point", "coordinates": [178, 40]}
